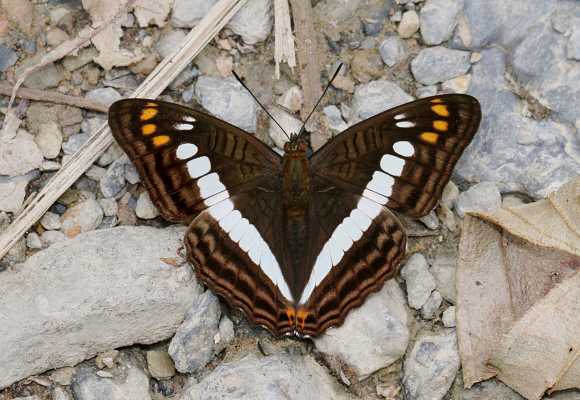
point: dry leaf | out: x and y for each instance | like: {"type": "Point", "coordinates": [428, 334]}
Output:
{"type": "Point", "coordinates": [518, 288]}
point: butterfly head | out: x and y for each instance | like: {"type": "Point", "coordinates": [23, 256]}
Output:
{"type": "Point", "coordinates": [295, 146]}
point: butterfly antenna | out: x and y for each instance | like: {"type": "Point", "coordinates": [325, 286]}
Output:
{"type": "Point", "coordinates": [257, 101]}
{"type": "Point", "coordinates": [312, 112]}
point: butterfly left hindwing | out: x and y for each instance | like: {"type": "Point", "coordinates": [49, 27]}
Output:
{"type": "Point", "coordinates": [296, 242]}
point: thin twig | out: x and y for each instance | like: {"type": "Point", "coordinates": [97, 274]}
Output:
{"type": "Point", "coordinates": [43, 95]}
{"type": "Point", "coordinates": [284, 39]}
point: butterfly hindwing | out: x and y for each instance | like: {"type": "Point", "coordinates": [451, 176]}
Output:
{"type": "Point", "coordinates": [403, 157]}
{"type": "Point", "coordinates": [186, 159]}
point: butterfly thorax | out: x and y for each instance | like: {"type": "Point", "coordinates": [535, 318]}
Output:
{"type": "Point", "coordinates": [296, 194]}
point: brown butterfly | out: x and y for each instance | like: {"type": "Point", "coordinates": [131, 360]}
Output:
{"type": "Point", "coordinates": [296, 241]}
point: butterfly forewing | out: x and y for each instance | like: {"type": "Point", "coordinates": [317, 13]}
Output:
{"type": "Point", "coordinates": [403, 157]}
{"type": "Point", "coordinates": [188, 160]}
{"type": "Point", "coordinates": [296, 242]}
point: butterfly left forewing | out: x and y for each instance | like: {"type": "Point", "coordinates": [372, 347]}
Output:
{"type": "Point", "coordinates": [186, 159]}
{"type": "Point", "coordinates": [403, 157]}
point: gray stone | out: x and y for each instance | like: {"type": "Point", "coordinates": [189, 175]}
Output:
{"type": "Point", "coordinates": [166, 44]}
{"type": "Point", "coordinates": [131, 174]}
{"type": "Point", "coordinates": [92, 125]}
{"type": "Point", "coordinates": [438, 19]}
{"type": "Point", "coordinates": [335, 122]}
{"type": "Point", "coordinates": [430, 366]}
{"type": "Point", "coordinates": [448, 317]}
{"type": "Point", "coordinates": [8, 58]}
{"type": "Point", "coordinates": [375, 97]}
{"type": "Point", "coordinates": [74, 143]}
{"type": "Point", "coordinates": [437, 64]}
{"type": "Point", "coordinates": [292, 99]}
{"type": "Point", "coordinates": [431, 305]}
{"type": "Point", "coordinates": [113, 152]}
{"type": "Point", "coordinates": [43, 78]}
{"type": "Point", "coordinates": [109, 206]}
{"type": "Point", "coordinates": [430, 220]}
{"type": "Point", "coordinates": [354, 41]}
{"type": "Point", "coordinates": [113, 282]}
{"type": "Point", "coordinates": [383, 338]}
{"type": "Point", "coordinates": [106, 95]}
{"type": "Point", "coordinates": [495, 156]}
{"type": "Point", "coordinates": [13, 191]}
{"type": "Point", "coordinates": [89, 385]}
{"type": "Point", "coordinates": [49, 139]}
{"type": "Point", "coordinates": [20, 154]}
{"type": "Point", "coordinates": [114, 180]}
{"type": "Point", "coordinates": [85, 56]}
{"type": "Point", "coordinates": [83, 217]}
{"type": "Point", "coordinates": [443, 270]}
{"type": "Point", "coordinates": [33, 241]}
{"type": "Point", "coordinates": [426, 91]}
{"type": "Point", "coordinates": [276, 377]}
{"type": "Point", "coordinates": [95, 173]}
{"type": "Point", "coordinates": [50, 221]}
{"type": "Point", "coordinates": [420, 283]}
{"type": "Point", "coordinates": [457, 85]}
{"type": "Point", "coordinates": [393, 50]}
{"type": "Point", "coordinates": [192, 346]}
{"type": "Point", "coordinates": [55, 36]}
{"type": "Point", "coordinates": [372, 28]}
{"type": "Point", "coordinates": [409, 24]}
{"type": "Point", "coordinates": [145, 208]}
{"type": "Point", "coordinates": [46, 166]}
{"type": "Point", "coordinates": [253, 22]}
{"type": "Point", "coordinates": [228, 100]}
{"type": "Point", "coordinates": [48, 238]}
{"type": "Point", "coordinates": [160, 364]}
{"type": "Point", "coordinates": [484, 196]}
{"type": "Point", "coordinates": [368, 43]}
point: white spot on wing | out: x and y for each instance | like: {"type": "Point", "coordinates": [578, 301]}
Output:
{"type": "Point", "coordinates": [186, 150]}
{"type": "Point", "coordinates": [210, 185]}
{"type": "Point", "coordinates": [183, 127]}
{"type": "Point", "coordinates": [222, 209]}
{"type": "Point", "coordinates": [382, 184]}
{"type": "Point", "coordinates": [255, 252]}
{"type": "Point", "coordinates": [404, 148]}
{"type": "Point", "coordinates": [321, 268]}
{"type": "Point", "coordinates": [217, 198]}
{"type": "Point", "coordinates": [250, 235]}
{"type": "Point", "coordinates": [188, 118]}
{"type": "Point", "coordinates": [351, 228]}
{"type": "Point", "coordinates": [405, 124]}
{"type": "Point", "coordinates": [360, 219]}
{"type": "Point", "coordinates": [341, 236]}
{"type": "Point", "coordinates": [272, 270]}
{"type": "Point", "coordinates": [239, 229]}
{"type": "Point", "coordinates": [399, 116]}
{"type": "Point", "coordinates": [370, 208]}
{"type": "Point", "coordinates": [392, 165]}
{"type": "Point", "coordinates": [198, 166]}
{"type": "Point", "coordinates": [229, 221]}
{"type": "Point", "coordinates": [336, 252]}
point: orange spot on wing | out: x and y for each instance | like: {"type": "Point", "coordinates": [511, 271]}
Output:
{"type": "Point", "coordinates": [436, 101]}
{"type": "Point", "coordinates": [440, 110]}
{"type": "Point", "coordinates": [429, 137]}
{"type": "Point", "coordinates": [148, 129]}
{"type": "Point", "coordinates": [148, 113]}
{"type": "Point", "coordinates": [440, 125]}
{"type": "Point", "coordinates": [160, 140]}
{"type": "Point", "coordinates": [152, 104]}
{"type": "Point", "coordinates": [301, 316]}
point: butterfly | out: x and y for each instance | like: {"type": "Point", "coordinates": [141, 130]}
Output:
{"type": "Point", "coordinates": [295, 241]}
